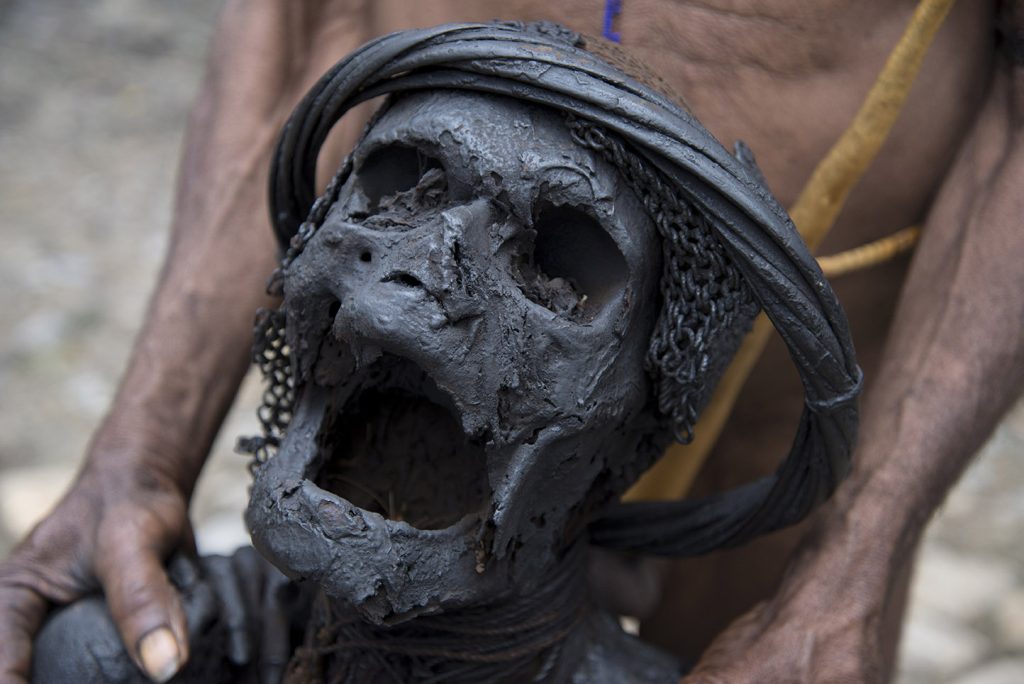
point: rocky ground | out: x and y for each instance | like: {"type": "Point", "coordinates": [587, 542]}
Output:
{"type": "Point", "coordinates": [93, 96]}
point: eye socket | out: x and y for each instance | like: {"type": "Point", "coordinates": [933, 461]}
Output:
{"type": "Point", "coordinates": [394, 169]}
{"type": "Point", "coordinates": [573, 267]}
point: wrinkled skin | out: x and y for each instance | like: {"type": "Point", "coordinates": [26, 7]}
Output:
{"type": "Point", "coordinates": [854, 566]}
{"type": "Point", "coordinates": [239, 611]}
{"type": "Point", "coordinates": [785, 77]}
{"type": "Point", "coordinates": [436, 253]}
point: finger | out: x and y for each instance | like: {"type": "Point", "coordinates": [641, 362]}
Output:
{"type": "Point", "coordinates": [266, 587]}
{"type": "Point", "coordinates": [146, 608]}
{"type": "Point", "coordinates": [22, 610]}
{"type": "Point", "coordinates": [198, 598]}
{"type": "Point", "coordinates": [247, 563]}
{"type": "Point", "coordinates": [276, 647]}
{"type": "Point", "coordinates": [233, 610]}
{"type": "Point", "coordinates": [183, 571]}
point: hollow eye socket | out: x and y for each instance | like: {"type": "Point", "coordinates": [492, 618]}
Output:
{"type": "Point", "coordinates": [394, 169]}
{"type": "Point", "coordinates": [573, 267]}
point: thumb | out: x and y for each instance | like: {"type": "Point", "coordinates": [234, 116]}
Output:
{"type": "Point", "coordinates": [146, 609]}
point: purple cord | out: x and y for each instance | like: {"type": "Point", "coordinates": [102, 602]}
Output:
{"type": "Point", "coordinates": [612, 9]}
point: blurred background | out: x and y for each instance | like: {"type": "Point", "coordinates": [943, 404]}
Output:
{"type": "Point", "coordinates": [93, 98]}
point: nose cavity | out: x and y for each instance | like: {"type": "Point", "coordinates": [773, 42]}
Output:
{"type": "Point", "coordinates": [402, 278]}
{"type": "Point", "coordinates": [434, 257]}
{"type": "Point", "coordinates": [431, 257]}
{"type": "Point", "coordinates": [351, 247]}
{"type": "Point", "coordinates": [357, 256]}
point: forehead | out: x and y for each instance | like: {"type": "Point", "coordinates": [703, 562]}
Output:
{"type": "Point", "coordinates": [484, 130]}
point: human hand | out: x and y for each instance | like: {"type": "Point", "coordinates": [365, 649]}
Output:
{"type": "Point", "coordinates": [240, 612]}
{"type": "Point", "coordinates": [782, 643]}
{"type": "Point", "coordinates": [834, 620]}
{"type": "Point", "coordinates": [111, 532]}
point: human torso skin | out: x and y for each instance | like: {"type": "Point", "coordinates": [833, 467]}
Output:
{"type": "Point", "coordinates": [786, 78]}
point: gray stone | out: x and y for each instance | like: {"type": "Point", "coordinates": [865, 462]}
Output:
{"type": "Point", "coordinates": [936, 645]}
{"type": "Point", "coordinates": [1009, 619]}
{"type": "Point", "coordinates": [1007, 671]}
{"type": "Point", "coordinates": [960, 586]}
{"type": "Point", "coordinates": [27, 494]}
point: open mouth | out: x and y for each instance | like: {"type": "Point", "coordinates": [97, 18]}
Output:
{"type": "Point", "coordinates": [391, 443]}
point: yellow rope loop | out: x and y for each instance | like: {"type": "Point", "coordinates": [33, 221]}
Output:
{"type": "Point", "coordinates": [824, 195]}
{"type": "Point", "coordinates": [871, 254]}
{"type": "Point", "coordinates": [814, 213]}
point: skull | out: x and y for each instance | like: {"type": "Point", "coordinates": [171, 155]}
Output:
{"type": "Point", "coordinates": [469, 327]}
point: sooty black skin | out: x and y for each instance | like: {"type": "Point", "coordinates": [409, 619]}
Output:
{"type": "Point", "coordinates": [440, 276]}
{"type": "Point", "coordinates": [547, 387]}
{"type": "Point", "coordinates": [242, 618]}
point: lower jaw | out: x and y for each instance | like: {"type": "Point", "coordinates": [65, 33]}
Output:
{"type": "Point", "coordinates": [387, 569]}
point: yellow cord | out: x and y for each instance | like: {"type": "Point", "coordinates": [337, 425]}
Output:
{"type": "Point", "coordinates": [868, 255]}
{"type": "Point", "coordinates": [814, 213]}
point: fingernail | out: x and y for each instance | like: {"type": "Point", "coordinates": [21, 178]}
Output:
{"type": "Point", "coordinates": [159, 654]}
{"type": "Point", "coordinates": [238, 647]}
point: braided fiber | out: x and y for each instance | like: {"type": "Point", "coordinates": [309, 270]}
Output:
{"type": "Point", "coordinates": [697, 190]}
{"type": "Point", "coordinates": [706, 304]}
{"type": "Point", "coordinates": [516, 640]}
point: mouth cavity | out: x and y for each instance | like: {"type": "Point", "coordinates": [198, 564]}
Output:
{"type": "Point", "coordinates": [391, 443]}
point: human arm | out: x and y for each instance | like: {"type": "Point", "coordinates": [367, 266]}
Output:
{"type": "Point", "coordinates": [127, 509]}
{"type": "Point", "coordinates": [953, 364]}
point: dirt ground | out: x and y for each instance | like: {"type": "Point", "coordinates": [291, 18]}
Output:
{"type": "Point", "coordinates": [93, 97]}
